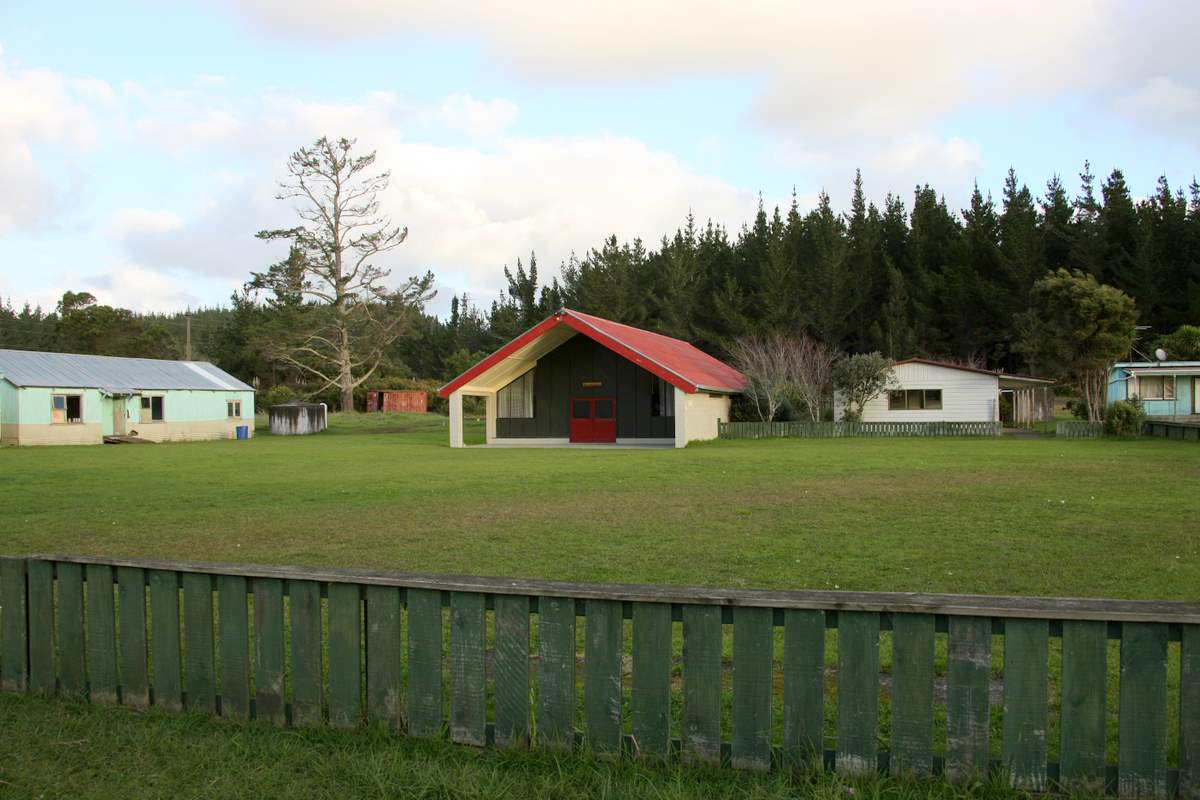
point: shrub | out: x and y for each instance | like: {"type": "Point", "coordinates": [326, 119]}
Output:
{"type": "Point", "coordinates": [1124, 418]}
{"type": "Point", "coordinates": [1078, 408]}
{"type": "Point", "coordinates": [278, 395]}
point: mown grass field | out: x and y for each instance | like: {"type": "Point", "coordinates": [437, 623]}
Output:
{"type": "Point", "coordinates": [1033, 516]}
{"type": "Point", "coordinates": [1007, 516]}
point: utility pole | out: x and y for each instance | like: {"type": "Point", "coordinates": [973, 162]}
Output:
{"type": "Point", "coordinates": [187, 352]}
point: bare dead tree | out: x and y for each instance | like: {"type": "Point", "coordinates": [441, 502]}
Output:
{"type": "Point", "coordinates": [351, 317]}
{"type": "Point", "coordinates": [766, 361]}
{"type": "Point", "coordinates": [811, 371]}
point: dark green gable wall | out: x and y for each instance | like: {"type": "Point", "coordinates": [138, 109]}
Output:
{"type": "Point", "coordinates": [560, 376]}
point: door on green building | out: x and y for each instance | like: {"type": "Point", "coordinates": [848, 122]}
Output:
{"type": "Point", "coordinates": [118, 405]}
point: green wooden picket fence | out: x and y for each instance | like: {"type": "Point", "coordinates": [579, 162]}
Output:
{"type": "Point", "coordinates": [1078, 429]}
{"type": "Point", "coordinates": [837, 430]}
{"type": "Point", "coordinates": [251, 642]}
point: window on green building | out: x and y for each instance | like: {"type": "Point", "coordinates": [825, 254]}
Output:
{"type": "Point", "coordinates": [152, 409]}
{"type": "Point", "coordinates": [66, 408]}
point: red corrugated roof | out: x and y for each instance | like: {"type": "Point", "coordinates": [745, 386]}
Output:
{"type": "Point", "coordinates": [675, 361]}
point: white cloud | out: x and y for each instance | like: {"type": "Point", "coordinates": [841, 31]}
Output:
{"type": "Point", "coordinates": [38, 108]}
{"type": "Point", "coordinates": [1164, 103]}
{"type": "Point", "coordinates": [478, 119]}
{"type": "Point", "coordinates": [130, 285]}
{"type": "Point", "coordinates": [135, 222]}
{"type": "Point", "coordinates": [828, 68]}
{"type": "Point", "coordinates": [469, 208]}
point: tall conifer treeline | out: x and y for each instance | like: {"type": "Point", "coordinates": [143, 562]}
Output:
{"type": "Point", "coordinates": [909, 277]}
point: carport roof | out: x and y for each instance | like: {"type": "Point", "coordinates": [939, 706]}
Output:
{"type": "Point", "coordinates": [112, 374]}
{"type": "Point", "coordinates": [678, 363]}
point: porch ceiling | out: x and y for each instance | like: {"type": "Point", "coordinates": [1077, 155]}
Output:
{"type": "Point", "coordinates": [518, 362]}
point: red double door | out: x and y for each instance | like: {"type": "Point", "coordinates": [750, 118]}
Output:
{"type": "Point", "coordinates": [593, 419]}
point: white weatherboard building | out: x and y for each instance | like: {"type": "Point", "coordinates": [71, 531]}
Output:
{"type": "Point", "coordinates": [63, 398]}
{"type": "Point", "coordinates": [934, 391]}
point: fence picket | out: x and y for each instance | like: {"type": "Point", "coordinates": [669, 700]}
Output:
{"type": "Point", "coordinates": [702, 683]}
{"type": "Point", "coordinates": [803, 686]}
{"type": "Point", "coordinates": [164, 629]}
{"type": "Point", "coordinates": [752, 666]}
{"type": "Point", "coordinates": [14, 626]}
{"type": "Point", "coordinates": [383, 656]}
{"type": "Point", "coordinates": [602, 675]}
{"type": "Point", "coordinates": [912, 694]}
{"type": "Point", "coordinates": [968, 678]}
{"type": "Point", "coordinates": [512, 670]}
{"type": "Point", "coordinates": [40, 577]}
{"type": "Point", "coordinates": [1142, 735]}
{"type": "Point", "coordinates": [234, 644]}
{"type": "Point", "coordinates": [345, 655]}
{"type": "Point", "coordinates": [857, 691]}
{"type": "Point", "coordinates": [468, 703]}
{"type": "Point", "coordinates": [1084, 672]}
{"type": "Point", "coordinates": [1189, 713]}
{"type": "Point", "coordinates": [1026, 664]}
{"type": "Point", "coordinates": [198, 636]}
{"type": "Point", "coordinates": [308, 689]}
{"type": "Point", "coordinates": [556, 671]}
{"type": "Point", "coordinates": [268, 650]}
{"type": "Point", "coordinates": [424, 662]}
{"type": "Point", "coordinates": [650, 708]}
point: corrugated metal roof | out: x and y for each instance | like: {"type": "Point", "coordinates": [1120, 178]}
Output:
{"type": "Point", "coordinates": [112, 374]}
{"type": "Point", "coordinates": [674, 360]}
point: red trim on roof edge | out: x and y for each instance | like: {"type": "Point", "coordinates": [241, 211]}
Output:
{"type": "Point", "coordinates": [583, 323]}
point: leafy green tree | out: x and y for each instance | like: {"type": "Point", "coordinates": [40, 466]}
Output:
{"type": "Point", "coordinates": [86, 326]}
{"type": "Point", "coordinates": [1183, 344]}
{"type": "Point", "coordinates": [352, 316]}
{"type": "Point", "coordinates": [1076, 328]}
{"type": "Point", "coordinates": [861, 378]}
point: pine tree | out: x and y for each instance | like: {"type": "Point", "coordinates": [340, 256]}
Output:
{"type": "Point", "coordinates": [1119, 236]}
{"type": "Point", "coordinates": [979, 290]}
{"type": "Point", "coordinates": [826, 282]}
{"type": "Point", "coordinates": [1055, 228]}
{"type": "Point", "coordinates": [1086, 244]}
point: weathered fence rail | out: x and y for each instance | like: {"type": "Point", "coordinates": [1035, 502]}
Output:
{"type": "Point", "coordinates": [1078, 429]}
{"type": "Point", "coordinates": [251, 642]}
{"type": "Point", "coordinates": [837, 430]}
{"type": "Point", "coordinates": [1170, 429]}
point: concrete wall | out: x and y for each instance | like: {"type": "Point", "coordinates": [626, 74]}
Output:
{"type": "Point", "coordinates": [189, 416]}
{"type": "Point", "coordinates": [10, 413]}
{"type": "Point", "coordinates": [966, 396]}
{"type": "Point", "coordinates": [697, 415]}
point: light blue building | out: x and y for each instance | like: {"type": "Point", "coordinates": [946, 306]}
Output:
{"type": "Point", "coordinates": [1166, 388]}
{"type": "Point", "coordinates": [65, 398]}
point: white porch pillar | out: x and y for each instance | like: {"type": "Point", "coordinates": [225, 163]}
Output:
{"type": "Point", "coordinates": [456, 419]}
{"type": "Point", "coordinates": [490, 415]}
{"type": "Point", "coordinates": [681, 412]}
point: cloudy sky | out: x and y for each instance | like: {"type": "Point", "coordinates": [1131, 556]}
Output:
{"type": "Point", "coordinates": [140, 141]}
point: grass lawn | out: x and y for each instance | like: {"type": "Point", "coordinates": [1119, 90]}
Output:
{"type": "Point", "coordinates": [66, 750]}
{"type": "Point", "coordinates": [1003, 516]}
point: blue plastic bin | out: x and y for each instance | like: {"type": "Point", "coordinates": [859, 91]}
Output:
{"type": "Point", "coordinates": [243, 432]}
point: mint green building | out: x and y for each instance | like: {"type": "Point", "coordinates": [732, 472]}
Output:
{"type": "Point", "coordinates": [64, 398]}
